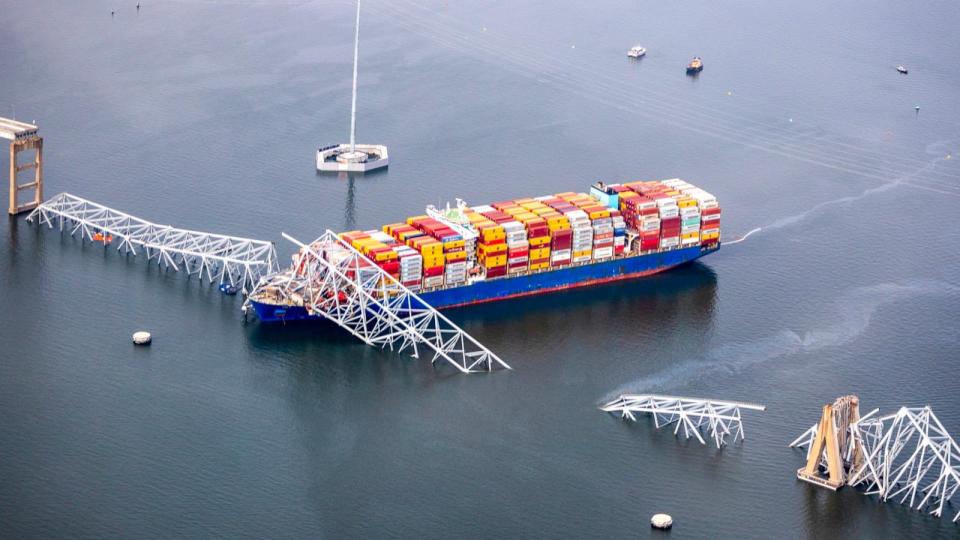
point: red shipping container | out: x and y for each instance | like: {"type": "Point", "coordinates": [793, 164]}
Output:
{"type": "Point", "coordinates": [518, 252]}
{"type": "Point", "coordinates": [710, 211]}
{"type": "Point", "coordinates": [391, 267]}
{"type": "Point", "coordinates": [496, 271]}
{"type": "Point", "coordinates": [433, 271]}
{"type": "Point", "coordinates": [560, 262]}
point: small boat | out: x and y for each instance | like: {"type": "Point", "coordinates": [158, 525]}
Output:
{"type": "Point", "coordinates": [636, 52]}
{"type": "Point", "coordinates": [695, 65]}
{"type": "Point", "coordinates": [902, 69]}
{"type": "Point", "coordinates": [228, 289]}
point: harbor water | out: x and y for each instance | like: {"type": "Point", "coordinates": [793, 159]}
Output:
{"type": "Point", "coordinates": [207, 116]}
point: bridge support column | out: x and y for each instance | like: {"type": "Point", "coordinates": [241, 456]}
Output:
{"type": "Point", "coordinates": [17, 146]}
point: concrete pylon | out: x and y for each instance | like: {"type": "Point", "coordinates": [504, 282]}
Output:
{"type": "Point", "coordinates": [830, 458]}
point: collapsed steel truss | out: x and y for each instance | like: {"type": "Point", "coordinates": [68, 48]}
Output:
{"type": "Point", "coordinates": [237, 261]}
{"type": "Point", "coordinates": [908, 455]}
{"type": "Point", "coordinates": [721, 418]}
{"type": "Point", "coordinates": [332, 279]}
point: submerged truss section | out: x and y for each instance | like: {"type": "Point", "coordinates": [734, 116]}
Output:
{"type": "Point", "coordinates": [908, 456]}
{"type": "Point", "coordinates": [333, 280]}
{"type": "Point", "coordinates": [720, 418]}
{"type": "Point", "coordinates": [227, 259]}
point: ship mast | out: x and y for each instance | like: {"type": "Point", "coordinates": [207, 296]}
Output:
{"type": "Point", "coordinates": [353, 107]}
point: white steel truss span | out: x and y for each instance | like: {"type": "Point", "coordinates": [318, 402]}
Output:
{"type": "Point", "coordinates": [908, 456]}
{"type": "Point", "coordinates": [721, 418]}
{"type": "Point", "coordinates": [228, 259]}
{"type": "Point", "coordinates": [332, 279]}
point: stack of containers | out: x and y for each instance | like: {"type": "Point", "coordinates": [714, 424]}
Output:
{"type": "Point", "coordinates": [493, 250]}
{"type": "Point", "coordinates": [602, 235]}
{"type": "Point", "coordinates": [518, 248]}
{"type": "Point", "coordinates": [433, 262]}
{"type": "Point", "coordinates": [709, 216]}
{"type": "Point", "coordinates": [429, 247]}
{"type": "Point", "coordinates": [669, 221]}
{"type": "Point", "coordinates": [411, 266]}
{"type": "Point", "coordinates": [377, 246]}
{"type": "Point", "coordinates": [619, 232]}
{"type": "Point", "coordinates": [561, 240]}
{"type": "Point", "coordinates": [689, 221]}
{"type": "Point", "coordinates": [538, 236]}
{"type": "Point", "coordinates": [581, 235]}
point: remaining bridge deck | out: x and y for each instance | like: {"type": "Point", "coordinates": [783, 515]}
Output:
{"type": "Point", "coordinates": [228, 259]}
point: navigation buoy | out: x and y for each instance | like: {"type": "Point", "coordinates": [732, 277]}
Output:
{"type": "Point", "coordinates": [141, 338]}
{"type": "Point", "coordinates": [661, 521]}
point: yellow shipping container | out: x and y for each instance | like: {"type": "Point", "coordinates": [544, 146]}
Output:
{"type": "Point", "coordinates": [430, 248]}
{"type": "Point", "coordinates": [522, 201]}
{"type": "Point", "coordinates": [710, 235]}
{"type": "Point", "coordinates": [362, 243]}
{"type": "Point", "coordinates": [584, 253]}
{"type": "Point", "coordinates": [406, 235]}
{"type": "Point", "coordinates": [490, 234]}
{"type": "Point", "coordinates": [454, 256]}
{"type": "Point", "coordinates": [493, 261]}
{"type": "Point", "coordinates": [539, 253]}
{"type": "Point", "coordinates": [525, 217]}
{"type": "Point", "coordinates": [514, 210]}
{"type": "Point", "coordinates": [539, 241]}
{"type": "Point", "coordinates": [558, 223]}
{"type": "Point", "coordinates": [492, 249]}
{"type": "Point", "coordinates": [389, 228]}
{"type": "Point", "coordinates": [453, 245]}
{"type": "Point", "coordinates": [540, 266]}
{"type": "Point", "coordinates": [410, 220]}
{"type": "Point", "coordinates": [431, 262]}
{"type": "Point", "coordinates": [598, 214]}
{"type": "Point", "coordinates": [686, 202]}
{"type": "Point", "coordinates": [381, 256]}
{"type": "Point", "coordinates": [689, 235]}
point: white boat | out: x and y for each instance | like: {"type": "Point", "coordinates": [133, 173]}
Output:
{"type": "Point", "coordinates": [636, 52]}
{"type": "Point", "coordinates": [902, 69]}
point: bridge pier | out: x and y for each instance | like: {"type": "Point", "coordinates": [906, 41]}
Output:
{"type": "Point", "coordinates": [23, 137]}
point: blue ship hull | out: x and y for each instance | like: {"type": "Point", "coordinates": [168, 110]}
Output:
{"type": "Point", "coordinates": [525, 285]}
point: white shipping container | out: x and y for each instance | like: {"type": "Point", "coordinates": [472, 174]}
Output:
{"type": "Point", "coordinates": [434, 281]}
{"type": "Point", "coordinates": [483, 208]}
{"type": "Point", "coordinates": [560, 254]}
{"type": "Point", "coordinates": [603, 253]}
{"type": "Point", "coordinates": [688, 241]}
{"type": "Point", "coordinates": [381, 236]}
{"type": "Point", "coordinates": [673, 241]}
{"type": "Point", "coordinates": [582, 258]}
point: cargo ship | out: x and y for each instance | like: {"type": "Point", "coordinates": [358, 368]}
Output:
{"type": "Point", "coordinates": [469, 255]}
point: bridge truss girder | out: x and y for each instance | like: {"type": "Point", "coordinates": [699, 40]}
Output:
{"type": "Point", "coordinates": [720, 418]}
{"type": "Point", "coordinates": [333, 280]}
{"type": "Point", "coordinates": [229, 259]}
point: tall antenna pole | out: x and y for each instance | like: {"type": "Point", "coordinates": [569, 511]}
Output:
{"type": "Point", "coordinates": [353, 107]}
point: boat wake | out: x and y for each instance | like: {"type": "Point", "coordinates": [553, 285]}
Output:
{"type": "Point", "coordinates": [855, 310]}
{"type": "Point", "coordinates": [938, 149]}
